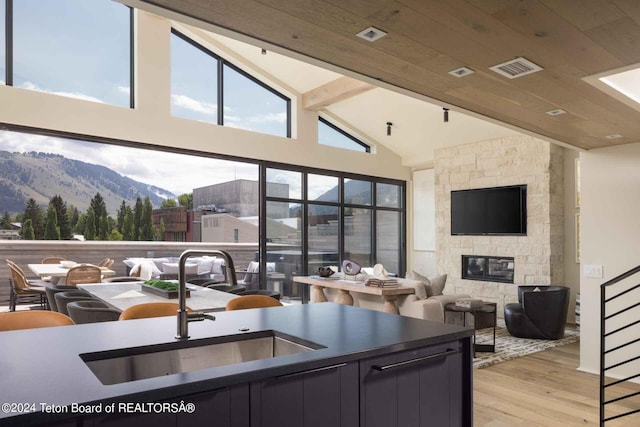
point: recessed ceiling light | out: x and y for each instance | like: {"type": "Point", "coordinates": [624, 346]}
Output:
{"type": "Point", "coordinates": [613, 136]}
{"type": "Point", "coordinates": [371, 34]}
{"type": "Point", "coordinates": [461, 72]}
{"type": "Point", "coordinates": [516, 68]}
{"type": "Point", "coordinates": [556, 112]}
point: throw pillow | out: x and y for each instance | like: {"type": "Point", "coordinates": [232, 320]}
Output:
{"type": "Point", "coordinates": [426, 290]}
{"type": "Point", "coordinates": [437, 284]}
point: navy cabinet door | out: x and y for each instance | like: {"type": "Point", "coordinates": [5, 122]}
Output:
{"type": "Point", "coordinates": [322, 397]}
{"type": "Point", "coordinates": [429, 386]}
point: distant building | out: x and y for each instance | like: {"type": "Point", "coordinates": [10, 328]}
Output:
{"type": "Point", "coordinates": [239, 198]}
{"type": "Point", "coordinates": [177, 223]}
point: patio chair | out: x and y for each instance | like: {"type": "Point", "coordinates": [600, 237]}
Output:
{"type": "Point", "coordinates": [106, 263]}
{"type": "Point", "coordinates": [65, 298]}
{"type": "Point", "coordinates": [83, 273]}
{"type": "Point", "coordinates": [151, 309]}
{"type": "Point", "coordinates": [23, 288]}
{"type": "Point", "coordinates": [91, 312]}
{"type": "Point", "coordinates": [252, 301]}
{"type": "Point", "coordinates": [52, 260]}
{"type": "Point", "coordinates": [52, 290]}
{"type": "Point", "coordinates": [32, 319]}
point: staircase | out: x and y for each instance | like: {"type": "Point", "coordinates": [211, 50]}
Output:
{"type": "Point", "coordinates": [619, 338]}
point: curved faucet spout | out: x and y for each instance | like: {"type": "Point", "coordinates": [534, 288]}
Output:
{"type": "Point", "coordinates": [185, 317]}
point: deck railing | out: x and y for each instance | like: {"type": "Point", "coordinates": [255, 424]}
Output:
{"type": "Point", "coordinates": [618, 331]}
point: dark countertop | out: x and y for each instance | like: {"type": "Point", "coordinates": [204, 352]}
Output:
{"type": "Point", "coordinates": [44, 366]}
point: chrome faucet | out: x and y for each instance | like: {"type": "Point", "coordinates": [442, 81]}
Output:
{"type": "Point", "coordinates": [184, 317]}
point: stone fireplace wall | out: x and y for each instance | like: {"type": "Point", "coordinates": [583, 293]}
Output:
{"type": "Point", "coordinates": [515, 160]}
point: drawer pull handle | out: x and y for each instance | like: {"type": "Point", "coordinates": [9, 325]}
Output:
{"type": "Point", "coordinates": [312, 371]}
{"type": "Point", "coordinates": [409, 362]}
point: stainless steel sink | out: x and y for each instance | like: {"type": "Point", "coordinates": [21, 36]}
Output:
{"type": "Point", "coordinates": [137, 363]}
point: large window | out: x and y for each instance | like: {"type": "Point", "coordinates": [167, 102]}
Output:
{"type": "Point", "coordinates": [3, 42]}
{"type": "Point", "coordinates": [330, 134]}
{"type": "Point", "coordinates": [335, 217]}
{"type": "Point", "coordinates": [208, 88]}
{"type": "Point", "coordinates": [75, 48]}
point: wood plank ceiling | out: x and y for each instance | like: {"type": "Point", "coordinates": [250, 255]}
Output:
{"type": "Point", "coordinates": [570, 39]}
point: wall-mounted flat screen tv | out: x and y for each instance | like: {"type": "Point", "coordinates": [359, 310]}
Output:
{"type": "Point", "coordinates": [489, 211]}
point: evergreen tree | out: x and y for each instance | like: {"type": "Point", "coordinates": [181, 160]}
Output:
{"type": "Point", "coordinates": [137, 219]}
{"type": "Point", "coordinates": [27, 230]}
{"type": "Point", "coordinates": [63, 218]}
{"type": "Point", "coordinates": [90, 226]}
{"type": "Point", "coordinates": [146, 224]}
{"type": "Point", "coordinates": [52, 231]}
{"type": "Point", "coordinates": [33, 212]}
{"type": "Point", "coordinates": [128, 228]}
{"type": "Point", "coordinates": [103, 227]}
{"type": "Point", "coordinates": [122, 211]}
{"type": "Point", "coordinates": [99, 210]}
{"type": "Point", "coordinates": [169, 203]}
{"type": "Point", "coordinates": [5, 222]}
{"type": "Point", "coordinates": [186, 200]}
{"type": "Point", "coordinates": [74, 217]}
{"type": "Point", "coordinates": [81, 224]}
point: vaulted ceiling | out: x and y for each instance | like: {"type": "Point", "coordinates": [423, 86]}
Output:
{"type": "Point", "coordinates": [569, 39]}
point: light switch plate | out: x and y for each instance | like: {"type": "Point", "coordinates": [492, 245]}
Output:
{"type": "Point", "coordinates": [592, 270]}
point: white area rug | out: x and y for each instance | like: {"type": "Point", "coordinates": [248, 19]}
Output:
{"type": "Point", "coordinates": [508, 347]}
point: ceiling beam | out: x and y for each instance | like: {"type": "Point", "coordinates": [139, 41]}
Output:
{"type": "Point", "coordinates": [332, 92]}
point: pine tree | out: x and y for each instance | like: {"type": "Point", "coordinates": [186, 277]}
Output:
{"type": "Point", "coordinates": [137, 219]}
{"type": "Point", "coordinates": [104, 227]}
{"type": "Point", "coordinates": [33, 212]}
{"type": "Point", "coordinates": [27, 230]}
{"type": "Point", "coordinates": [146, 225]}
{"type": "Point", "coordinates": [90, 226]}
{"type": "Point", "coordinates": [5, 222]}
{"type": "Point", "coordinates": [122, 211]}
{"type": "Point", "coordinates": [52, 231]}
{"type": "Point", "coordinates": [99, 210]}
{"type": "Point", "coordinates": [128, 228]}
{"type": "Point", "coordinates": [63, 218]}
{"type": "Point", "coordinates": [74, 217]}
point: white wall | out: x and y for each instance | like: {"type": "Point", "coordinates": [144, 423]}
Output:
{"type": "Point", "coordinates": [423, 209]}
{"type": "Point", "coordinates": [610, 237]}
{"type": "Point", "coordinates": [571, 266]}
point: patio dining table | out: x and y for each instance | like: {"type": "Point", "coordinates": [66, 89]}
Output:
{"type": "Point", "coordinates": [58, 273]}
{"type": "Point", "coordinates": [122, 295]}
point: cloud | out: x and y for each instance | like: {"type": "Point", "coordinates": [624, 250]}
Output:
{"type": "Point", "coordinates": [268, 118]}
{"type": "Point", "coordinates": [124, 89]}
{"type": "Point", "coordinates": [82, 96]}
{"type": "Point", "coordinates": [191, 104]}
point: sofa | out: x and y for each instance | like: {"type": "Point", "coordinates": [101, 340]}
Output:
{"type": "Point", "coordinates": [422, 304]}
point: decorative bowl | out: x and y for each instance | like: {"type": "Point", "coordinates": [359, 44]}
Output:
{"type": "Point", "coordinates": [324, 271]}
{"type": "Point", "coordinates": [67, 264]}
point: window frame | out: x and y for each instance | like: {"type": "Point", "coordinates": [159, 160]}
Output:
{"type": "Point", "coordinates": [364, 145]}
{"type": "Point", "coordinates": [221, 62]}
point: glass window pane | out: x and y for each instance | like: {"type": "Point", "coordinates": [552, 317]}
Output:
{"type": "Point", "coordinates": [357, 236]}
{"type": "Point", "coordinates": [322, 188]}
{"type": "Point", "coordinates": [73, 48]}
{"type": "Point", "coordinates": [194, 82]}
{"type": "Point", "coordinates": [357, 192]}
{"type": "Point", "coordinates": [248, 105]}
{"type": "Point", "coordinates": [284, 246]}
{"type": "Point", "coordinates": [323, 231]}
{"type": "Point", "coordinates": [3, 71]}
{"type": "Point", "coordinates": [388, 195]}
{"type": "Point", "coordinates": [328, 135]}
{"type": "Point", "coordinates": [388, 241]}
{"type": "Point", "coordinates": [284, 184]}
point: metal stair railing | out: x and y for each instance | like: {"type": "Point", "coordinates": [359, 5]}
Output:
{"type": "Point", "coordinates": [605, 303]}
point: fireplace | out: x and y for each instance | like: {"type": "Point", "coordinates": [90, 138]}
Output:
{"type": "Point", "coordinates": [487, 268]}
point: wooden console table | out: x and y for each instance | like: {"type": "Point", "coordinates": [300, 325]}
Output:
{"type": "Point", "coordinates": [345, 287]}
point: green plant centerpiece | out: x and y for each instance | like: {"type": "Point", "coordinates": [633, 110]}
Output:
{"type": "Point", "coordinates": [163, 288]}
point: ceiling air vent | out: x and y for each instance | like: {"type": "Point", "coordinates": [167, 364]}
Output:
{"type": "Point", "coordinates": [371, 34]}
{"type": "Point", "coordinates": [461, 72]}
{"type": "Point", "coordinates": [516, 68]}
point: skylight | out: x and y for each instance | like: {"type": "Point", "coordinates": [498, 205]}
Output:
{"type": "Point", "coordinates": [626, 82]}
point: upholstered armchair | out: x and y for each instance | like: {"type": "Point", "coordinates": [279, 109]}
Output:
{"type": "Point", "coordinates": [540, 313]}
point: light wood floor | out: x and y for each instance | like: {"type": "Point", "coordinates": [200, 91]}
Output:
{"type": "Point", "coordinates": [544, 389]}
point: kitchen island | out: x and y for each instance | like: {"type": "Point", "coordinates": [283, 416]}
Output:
{"type": "Point", "coordinates": [362, 367]}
